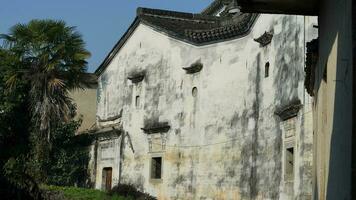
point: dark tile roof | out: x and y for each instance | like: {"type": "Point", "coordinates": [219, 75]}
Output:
{"type": "Point", "coordinates": [238, 27]}
{"type": "Point", "coordinates": [197, 29]}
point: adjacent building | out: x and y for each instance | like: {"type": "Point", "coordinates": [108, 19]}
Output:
{"type": "Point", "coordinates": [332, 84]}
{"type": "Point", "coordinates": [85, 101]}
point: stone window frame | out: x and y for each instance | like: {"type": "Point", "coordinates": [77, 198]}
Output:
{"type": "Point", "coordinates": [137, 101]}
{"type": "Point", "coordinates": [288, 144]}
{"type": "Point", "coordinates": [152, 156]}
{"type": "Point", "coordinates": [289, 127]}
{"type": "Point", "coordinates": [289, 122]}
{"type": "Point", "coordinates": [152, 138]}
{"type": "Point", "coordinates": [137, 94]}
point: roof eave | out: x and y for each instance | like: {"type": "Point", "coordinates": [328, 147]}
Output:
{"type": "Point", "coordinates": [295, 7]}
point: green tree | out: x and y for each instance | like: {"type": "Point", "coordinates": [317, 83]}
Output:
{"type": "Point", "coordinates": [52, 60]}
{"type": "Point", "coordinates": [15, 183]}
{"type": "Point", "coordinates": [40, 62]}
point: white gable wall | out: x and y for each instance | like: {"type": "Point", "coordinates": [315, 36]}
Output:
{"type": "Point", "coordinates": [226, 143]}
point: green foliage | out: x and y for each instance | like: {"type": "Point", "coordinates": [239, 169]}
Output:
{"type": "Point", "coordinates": [74, 193]}
{"type": "Point", "coordinates": [39, 63]}
{"type": "Point", "coordinates": [69, 156]}
{"type": "Point", "coordinates": [18, 176]}
{"type": "Point", "coordinates": [50, 57]}
{"type": "Point", "coordinates": [15, 181]}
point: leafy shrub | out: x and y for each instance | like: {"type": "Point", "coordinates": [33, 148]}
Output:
{"type": "Point", "coordinates": [17, 180]}
{"type": "Point", "coordinates": [11, 191]}
{"type": "Point", "coordinates": [69, 157]}
{"type": "Point", "coordinates": [129, 190]}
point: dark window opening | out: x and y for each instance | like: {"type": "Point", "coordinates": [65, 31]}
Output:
{"type": "Point", "coordinates": [195, 91]}
{"type": "Point", "coordinates": [267, 70]}
{"type": "Point", "coordinates": [156, 168]}
{"type": "Point", "coordinates": [289, 163]}
{"type": "Point", "coordinates": [137, 101]}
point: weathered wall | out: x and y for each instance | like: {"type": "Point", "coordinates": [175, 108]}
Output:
{"type": "Point", "coordinates": [333, 102]}
{"type": "Point", "coordinates": [226, 142]}
{"type": "Point", "coordinates": [108, 155]}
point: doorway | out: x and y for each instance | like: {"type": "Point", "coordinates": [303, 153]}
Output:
{"type": "Point", "coordinates": [106, 178]}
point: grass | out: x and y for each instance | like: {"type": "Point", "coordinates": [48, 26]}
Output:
{"type": "Point", "coordinates": [74, 193]}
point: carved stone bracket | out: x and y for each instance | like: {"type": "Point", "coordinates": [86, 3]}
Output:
{"type": "Point", "coordinates": [265, 39]}
{"type": "Point", "coordinates": [194, 68]}
{"type": "Point", "coordinates": [108, 133]}
{"type": "Point", "coordinates": [136, 77]}
{"type": "Point", "coordinates": [109, 119]}
{"type": "Point", "coordinates": [289, 111]}
{"type": "Point", "coordinates": [112, 118]}
{"type": "Point", "coordinates": [160, 127]}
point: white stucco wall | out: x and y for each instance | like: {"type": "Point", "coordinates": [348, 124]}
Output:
{"type": "Point", "coordinates": [227, 142]}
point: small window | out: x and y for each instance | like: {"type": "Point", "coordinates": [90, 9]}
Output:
{"type": "Point", "coordinates": [156, 168]}
{"type": "Point", "coordinates": [195, 91]}
{"type": "Point", "coordinates": [289, 164]}
{"type": "Point", "coordinates": [267, 70]}
{"type": "Point", "coordinates": [137, 101]}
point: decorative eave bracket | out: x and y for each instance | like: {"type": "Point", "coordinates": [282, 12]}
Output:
{"type": "Point", "coordinates": [194, 68]}
{"type": "Point", "coordinates": [108, 134]}
{"type": "Point", "coordinates": [289, 111]}
{"type": "Point", "coordinates": [110, 119]}
{"type": "Point", "coordinates": [161, 127]}
{"type": "Point", "coordinates": [265, 39]}
{"type": "Point", "coordinates": [136, 77]}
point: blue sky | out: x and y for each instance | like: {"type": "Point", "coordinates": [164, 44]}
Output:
{"type": "Point", "coordinates": [101, 22]}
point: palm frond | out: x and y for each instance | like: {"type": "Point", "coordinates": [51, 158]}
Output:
{"type": "Point", "coordinates": [52, 58]}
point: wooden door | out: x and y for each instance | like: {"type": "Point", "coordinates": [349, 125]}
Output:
{"type": "Point", "coordinates": [107, 177]}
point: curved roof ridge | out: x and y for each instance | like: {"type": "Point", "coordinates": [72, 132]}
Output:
{"type": "Point", "coordinates": [141, 11]}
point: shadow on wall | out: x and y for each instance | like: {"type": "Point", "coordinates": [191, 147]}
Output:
{"type": "Point", "coordinates": [287, 72]}
{"type": "Point", "coordinates": [336, 153]}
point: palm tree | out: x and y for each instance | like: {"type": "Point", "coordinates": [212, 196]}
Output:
{"type": "Point", "coordinates": [52, 61]}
